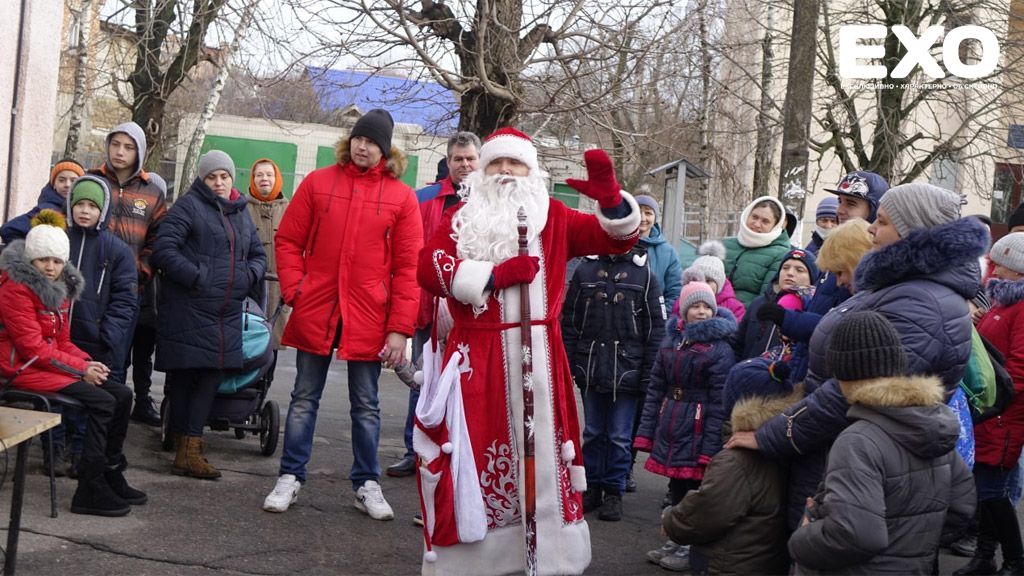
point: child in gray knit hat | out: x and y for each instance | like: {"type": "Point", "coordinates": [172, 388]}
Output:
{"type": "Point", "coordinates": [893, 477]}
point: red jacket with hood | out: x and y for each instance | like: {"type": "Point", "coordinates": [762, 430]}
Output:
{"type": "Point", "coordinates": [346, 252]}
{"type": "Point", "coordinates": [35, 329]}
{"type": "Point", "coordinates": [998, 440]}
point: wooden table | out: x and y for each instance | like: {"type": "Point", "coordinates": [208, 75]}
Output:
{"type": "Point", "coordinates": [17, 427]}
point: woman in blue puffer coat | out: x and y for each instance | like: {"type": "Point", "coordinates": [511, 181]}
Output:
{"type": "Point", "coordinates": [921, 271]}
{"type": "Point", "coordinates": [210, 257]}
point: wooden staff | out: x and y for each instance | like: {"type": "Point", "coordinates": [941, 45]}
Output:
{"type": "Point", "coordinates": [530, 476]}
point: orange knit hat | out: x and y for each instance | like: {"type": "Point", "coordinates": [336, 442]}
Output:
{"type": "Point", "coordinates": [65, 164]}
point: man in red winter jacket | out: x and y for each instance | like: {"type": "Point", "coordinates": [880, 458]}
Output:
{"type": "Point", "coordinates": [346, 259]}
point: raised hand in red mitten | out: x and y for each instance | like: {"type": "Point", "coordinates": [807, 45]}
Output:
{"type": "Point", "coordinates": [516, 270]}
{"type": "Point", "coordinates": [600, 184]}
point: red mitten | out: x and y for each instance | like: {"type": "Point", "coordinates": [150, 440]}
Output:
{"type": "Point", "coordinates": [600, 184]}
{"type": "Point", "coordinates": [516, 270]}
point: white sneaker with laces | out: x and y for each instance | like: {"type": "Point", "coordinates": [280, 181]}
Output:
{"type": "Point", "coordinates": [284, 494]}
{"type": "Point", "coordinates": [370, 499]}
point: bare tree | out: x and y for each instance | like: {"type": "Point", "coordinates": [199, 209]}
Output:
{"type": "Point", "coordinates": [900, 127]}
{"type": "Point", "coordinates": [798, 105]}
{"type": "Point", "coordinates": [213, 97]}
{"type": "Point", "coordinates": [170, 39]}
{"type": "Point", "coordinates": [71, 144]}
{"type": "Point", "coordinates": [483, 51]}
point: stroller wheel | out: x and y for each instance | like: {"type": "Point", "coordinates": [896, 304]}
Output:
{"type": "Point", "coordinates": [166, 438]}
{"type": "Point", "coordinates": [270, 426]}
{"type": "Point", "coordinates": [239, 433]}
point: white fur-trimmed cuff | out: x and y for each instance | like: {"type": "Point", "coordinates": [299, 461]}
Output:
{"type": "Point", "coordinates": [625, 227]}
{"type": "Point", "coordinates": [568, 451]}
{"type": "Point", "coordinates": [578, 478]}
{"type": "Point", "coordinates": [470, 282]}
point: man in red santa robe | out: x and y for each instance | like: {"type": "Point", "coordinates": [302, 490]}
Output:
{"type": "Point", "coordinates": [469, 431]}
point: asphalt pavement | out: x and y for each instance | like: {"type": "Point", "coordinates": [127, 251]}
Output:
{"type": "Point", "coordinates": [201, 527]}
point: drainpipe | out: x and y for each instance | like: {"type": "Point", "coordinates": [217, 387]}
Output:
{"type": "Point", "coordinates": [14, 109]}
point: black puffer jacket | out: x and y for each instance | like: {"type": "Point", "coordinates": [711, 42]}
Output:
{"type": "Point", "coordinates": [209, 256]}
{"type": "Point", "coordinates": [613, 323]}
{"type": "Point", "coordinates": [893, 477]}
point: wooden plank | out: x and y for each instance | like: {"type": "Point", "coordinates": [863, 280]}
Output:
{"type": "Point", "coordinates": [17, 425]}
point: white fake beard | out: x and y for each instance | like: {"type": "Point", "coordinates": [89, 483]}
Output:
{"type": "Point", "coordinates": [485, 229]}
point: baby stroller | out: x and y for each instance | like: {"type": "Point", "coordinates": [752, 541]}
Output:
{"type": "Point", "coordinates": [241, 401]}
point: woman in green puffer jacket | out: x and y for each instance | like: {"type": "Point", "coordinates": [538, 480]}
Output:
{"type": "Point", "coordinates": [756, 252]}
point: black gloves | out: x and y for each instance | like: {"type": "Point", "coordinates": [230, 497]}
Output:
{"type": "Point", "coordinates": [771, 312]}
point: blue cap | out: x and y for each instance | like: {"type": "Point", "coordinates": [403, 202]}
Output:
{"type": "Point", "coordinates": [864, 185]}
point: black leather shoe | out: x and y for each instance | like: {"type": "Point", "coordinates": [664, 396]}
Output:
{"type": "Point", "coordinates": [404, 467]}
{"type": "Point", "coordinates": [145, 412]}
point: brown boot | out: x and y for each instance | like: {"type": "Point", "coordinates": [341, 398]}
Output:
{"type": "Point", "coordinates": [196, 464]}
{"type": "Point", "coordinates": [180, 460]}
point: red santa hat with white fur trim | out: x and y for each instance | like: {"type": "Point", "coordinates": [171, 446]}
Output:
{"type": "Point", "coordinates": [509, 143]}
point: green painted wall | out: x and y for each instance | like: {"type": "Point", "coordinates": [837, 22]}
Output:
{"type": "Point", "coordinates": [324, 156]}
{"type": "Point", "coordinates": [244, 152]}
{"type": "Point", "coordinates": [567, 195]}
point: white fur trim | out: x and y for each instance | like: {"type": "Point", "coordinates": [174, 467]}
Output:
{"type": "Point", "coordinates": [447, 448]}
{"type": "Point", "coordinates": [430, 556]}
{"type": "Point", "coordinates": [427, 449]}
{"type": "Point", "coordinates": [509, 146]}
{"type": "Point", "coordinates": [578, 478]}
{"type": "Point", "coordinates": [568, 451]}
{"type": "Point", "coordinates": [625, 227]}
{"type": "Point", "coordinates": [470, 282]}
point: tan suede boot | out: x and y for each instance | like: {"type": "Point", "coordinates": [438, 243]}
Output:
{"type": "Point", "coordinates": [196, 464]}
{"type": "Point", "coordinates": [180, 460]}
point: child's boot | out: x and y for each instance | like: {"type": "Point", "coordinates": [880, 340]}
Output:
{"type": "Point", "coordinates": [666, 549]}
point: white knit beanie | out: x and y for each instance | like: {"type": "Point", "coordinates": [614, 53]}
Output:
{"type": "Point", "coordinates": [45, 241]}
{"type": "Point", "coordinates": [1008, 252]}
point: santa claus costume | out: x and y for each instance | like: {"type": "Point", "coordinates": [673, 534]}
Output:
{"type": "Point", "coordinates": [469, 431]}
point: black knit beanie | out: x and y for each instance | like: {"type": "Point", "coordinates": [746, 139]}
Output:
{"type": "Point", "coordinates": [865, 346]}
{"type": "Point", "coordinates": [376, 125]}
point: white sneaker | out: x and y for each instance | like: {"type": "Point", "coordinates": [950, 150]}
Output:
{"type": "Point", "coordinates": [371, 500]}
{"type": "Point", "coordinates": [284, 494]}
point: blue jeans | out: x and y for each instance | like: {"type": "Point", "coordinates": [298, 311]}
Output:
{"type": "Point", "coordinates": [607, 438]}
{"type": "Point", "coordinates": [311, 375]}
{"type": "Point", "coordinates": [993, 482]}
{"type": "Point", "coordinates": [418, 340]}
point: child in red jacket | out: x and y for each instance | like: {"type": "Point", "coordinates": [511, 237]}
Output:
{"type": "Point", "coordinates": [37, 287]}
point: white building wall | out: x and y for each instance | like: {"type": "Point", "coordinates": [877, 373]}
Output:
{"type": "Point", "coordinates": [26, 128]}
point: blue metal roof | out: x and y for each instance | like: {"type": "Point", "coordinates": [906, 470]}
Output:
{"type": "Point", "coordinates": [427, 104]}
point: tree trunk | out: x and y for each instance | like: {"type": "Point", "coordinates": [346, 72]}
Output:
{"type": "Point", "coordinates": [196, 142]}
{"type": "Point", "coordinates": [765, 134]}
{"type": "Point", "coordinates": [704, 125]}
{"type": "Point", "coordinates": [71, 144]}
{"type": "Point", "coordinates": [482, 113]}
{"type": "Point", "coordinates": [797, 109]}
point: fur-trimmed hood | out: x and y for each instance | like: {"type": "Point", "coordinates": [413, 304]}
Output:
{"type": "Point", "coordinates": [52, 294]}
{"type": "Point", "coordinates": [947, 254]}
{"type": "Point", "coordinates": [722, 325]}
{"type": "Point", "coordinates": [1005, 292]}
{"type": "Point", "coordinates": [911, 410]}
{"type": "Point", "coordinates": [396, 160]}
{"type": "Point", "coordinates": [751, 412]}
